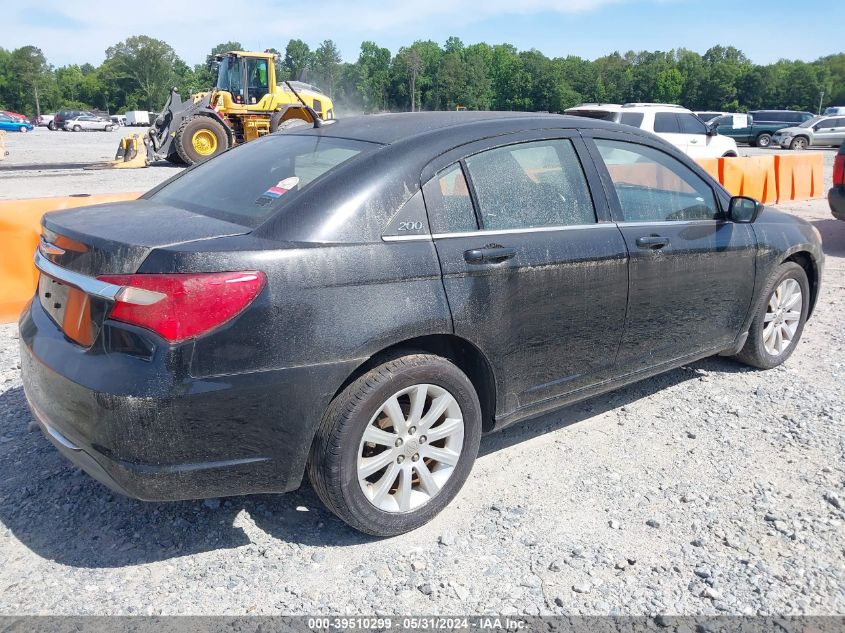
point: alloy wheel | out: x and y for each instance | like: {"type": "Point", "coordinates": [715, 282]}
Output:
{"type": "Point", "coordinates": [783, 315]}
{"type": "Point", "coordinates": [410, 448]}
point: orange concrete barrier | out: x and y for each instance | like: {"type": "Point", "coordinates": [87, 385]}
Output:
{"type": "Point", "coordinates": [800, 176]}
{"type": "Point", "coordinates": [20, 230]}
{"type": "Point", "coordinates": [752, 176]}
{"type": "Point", "coordinates": [710, 165]}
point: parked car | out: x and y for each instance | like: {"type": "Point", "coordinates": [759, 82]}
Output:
{"type": "Point", "coordinates": [679, 126]}
{"type": "Point", "coordinates": [836, 195]}
{"type": "Point", "coordinates": [835, 110]}
{"type": "Point", "coordinates": [744, 129]}
{"type": "Point", "coordinates": [362, 300]}
{"type": "Point", "coordinates": [819, 131]}
{"type": "Point", "coordinates": [58, 122]}
{"type": "Point", "coordinates": [87, 122]}
{"type": "Point", "coordinates": [44, 120]}
{"type": "Point", "coordinates": [14, 124]}
{"type": "Point", "coordinates": [781, 116]}
{"type": "Point", "coordinates": [15, 115]}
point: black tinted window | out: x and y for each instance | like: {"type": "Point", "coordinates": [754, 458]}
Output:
{"type": "Point", "coordinates": [531, 185]}
{"type": "Point", "coordinates": [448, 201]}
{"type": "Point", "coordinates": [632, 118]}
{"type": "Point", "coordinates": [250, 183]}
{"type": "Point", "coordinates": [655, 187]}
{"type": "Point", "coordinates": [666, 122]}
{"type": "Point", "coordinates": [691, 124]}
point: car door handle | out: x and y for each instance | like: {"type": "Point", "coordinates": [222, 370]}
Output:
{"type": "Point", "coordinates": [693, 140]}
{"type": "Point", "coordinates": [652, 241]}
{"type": "Point", "coordinates": [492, 254]}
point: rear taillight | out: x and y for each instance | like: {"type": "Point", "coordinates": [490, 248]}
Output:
{"type": "Point", "coordinates": [839, 170]}
{"type": "Point", "coordinates": [183, 306]}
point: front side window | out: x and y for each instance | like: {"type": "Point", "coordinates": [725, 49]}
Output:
{"type": "Point", "coordinates": [655, 187]}
{"type": "Point", "coordinates": [448, 201]}
{"type": "Point", "coordinates": [691, 124]}
{"type": "Point", "coordinates": [666, 123]}
{"type": "Point", "coordinates": [531, 185]}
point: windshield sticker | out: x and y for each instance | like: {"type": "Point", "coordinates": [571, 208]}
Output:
{"type": "Point", "coordinates": [280, 188]}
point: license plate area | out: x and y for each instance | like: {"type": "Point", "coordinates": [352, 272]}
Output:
{"type": "Point", "coordinates": [69, 308]}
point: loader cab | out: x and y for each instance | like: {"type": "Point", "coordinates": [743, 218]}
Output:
{"type": "Point", "coordinates": [247, 79]}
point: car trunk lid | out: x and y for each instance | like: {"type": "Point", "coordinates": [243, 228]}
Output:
{"type": "Point", "coordinates": [80, 244]}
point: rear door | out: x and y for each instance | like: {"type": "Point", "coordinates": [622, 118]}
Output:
{"type": "Point", "coordinates": [534, 271]}
{"type": "Point", "coordinates": [829, 132]}
{"type": "Point", "coordinates": [691, 271]}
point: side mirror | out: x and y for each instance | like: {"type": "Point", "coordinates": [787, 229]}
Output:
{"type": "Point", "coordinates": [744, 210]}
{"type": "Point", "coordinates": [712, 128]}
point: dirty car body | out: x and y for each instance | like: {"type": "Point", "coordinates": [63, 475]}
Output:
{"type": "Point", "coordinates": [388, 233]}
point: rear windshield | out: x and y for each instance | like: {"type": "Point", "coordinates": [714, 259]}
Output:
{"type": "Point", "coordinates": [249, 184]}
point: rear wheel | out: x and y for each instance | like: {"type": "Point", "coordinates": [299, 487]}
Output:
{"type": "Point", "coordinates": [109, 128]}
{"type": "Point", "coordinates": [397, 444]}
{"type": "Point", "coordinates": [763, 140]}
{"type": "Point", "coordinates": [799, 142]}
{"type": "Point", "coordinates": [200, 138]}
{"type": "Point", "coordinates": [779, 321]}
{"type": "Point", "coordinates": [24, 129]}
{"type": "Point", "coordinates": [77, 128]}
{"type": "Point", "coordinates": [51, 126]}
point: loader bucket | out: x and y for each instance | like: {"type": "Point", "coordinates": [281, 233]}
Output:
{"type": "Point", "coordinates": [131, 154]}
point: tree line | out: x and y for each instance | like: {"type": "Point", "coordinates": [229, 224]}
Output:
{"type": "Point", "coordinates": [138, 73]}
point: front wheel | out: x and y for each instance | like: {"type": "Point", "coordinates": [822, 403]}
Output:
{"type": "Point", "coordinates": [77, 128]}
{"type": "Point", "coordinates": [799, 143]}
{"type": "Point", "coordinates": [397, 444]}
{"type": "Point", "coordinates": [779, 321]}
{"type": "Point", "coordinates": [200, 138]}
{"type": "Point", "coordinates": [109, 128]}
{"type": "Point", "coordinates": [764, 140]}
{"type": "Point", "coordinates": [51, 126]}
{"type": "Point", "coordinates": [24, 129]}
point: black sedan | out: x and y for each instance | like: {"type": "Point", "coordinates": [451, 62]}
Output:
{"type": "Point", "coordinates": [363, 300]}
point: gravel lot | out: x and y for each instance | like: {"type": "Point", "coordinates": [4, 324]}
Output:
{"type": "Point", "coordinates": [709, 489]}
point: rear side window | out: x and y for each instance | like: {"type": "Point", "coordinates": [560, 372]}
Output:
{"type": "Point", "coordinates": [531, 185]}
{"type": "Point", "coordinates": [666, 123]}
{"type": "Point", "coordinates": [691, 124]}
{"type": "Point", "coordinates": [448, 201]}
{"type": "Point", "coordinates": [250, 183]}
{"type": "Point", "coordinates": [655, 187]}
{"type": "Point", "coordinates": [632, 118]}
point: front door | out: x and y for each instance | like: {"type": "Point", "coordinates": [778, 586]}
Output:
{"type": "Point", "coordinates": [533, 279]}
{"type": "Point", "coordinates": [691, 271]}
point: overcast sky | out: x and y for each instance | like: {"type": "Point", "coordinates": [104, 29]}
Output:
{"type": "Point", "coordinates": [74, 34]}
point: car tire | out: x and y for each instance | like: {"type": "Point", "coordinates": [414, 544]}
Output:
{"type": "Point", "coordinates": [412, 486]}
{"type": "Point", "coordinates": [77, 128]}
{"type": "Point", "coordinates": [761, 350]}
{"type": "Point", "coordinates": [51, 126]}
{"type": "Point", "coordinates": [23, 129]}
{"type": "Point", "coordinates": [799, 143]}
{"type": "Point", "coordinates": [109, 128]}
{"type": "Point", "coordinates": [763, 140]}
{"type": "Point", "coordinates": [200, 138]}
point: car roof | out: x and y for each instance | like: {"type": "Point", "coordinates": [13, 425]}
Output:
{"type": "Point", "coordinates": [453, 128]}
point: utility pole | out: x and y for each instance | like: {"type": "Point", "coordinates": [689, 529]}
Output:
{"type": "Point", "coordinates": [821, 98]}
{"type": "Point", "coordinates": [37, 103]}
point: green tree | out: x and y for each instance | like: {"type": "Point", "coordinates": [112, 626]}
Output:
{"type": "Point", "coordinates": [669, 86]}
{"type": "Point", "coordinates": [144, 69]}
{"type": "Point", "coordinates": [327, 61]}
{"type": "Point", "coordinates": [373, 76]}
{"type": "Point", "coordinates": [30, 74]}
{"type": "Point", "coordinates": [298, 59]}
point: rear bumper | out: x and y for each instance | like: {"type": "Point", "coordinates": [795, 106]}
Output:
{"type": "Point", "coordinates": [836, 199]}
{"type": "Point", "coordinates": [149, 430]}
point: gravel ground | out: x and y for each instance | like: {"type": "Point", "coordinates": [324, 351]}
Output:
{"type": "Point", "coordinates": [709, 489]}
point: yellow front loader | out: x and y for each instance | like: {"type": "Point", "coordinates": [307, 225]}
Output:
{"type": "Point", "coordinates": [245, 103]}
